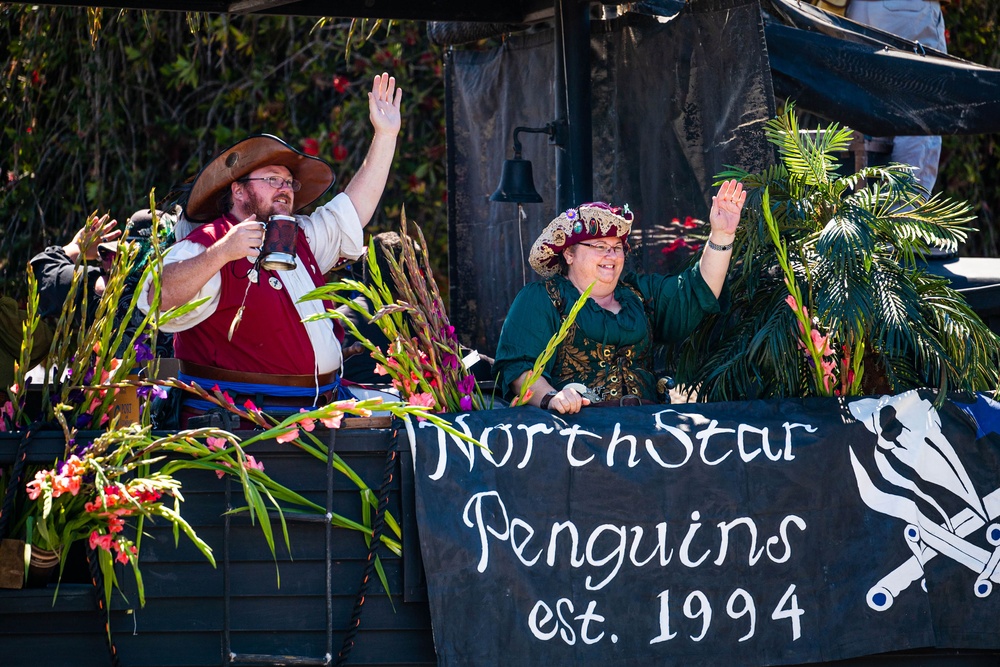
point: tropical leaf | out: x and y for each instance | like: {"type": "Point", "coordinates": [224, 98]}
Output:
{"type": "Point", "coordinates": [853, 247]}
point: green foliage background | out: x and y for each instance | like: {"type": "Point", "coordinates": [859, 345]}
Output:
{"type": "Point", "coordinates": [94, 129]}
{"type": "Point", "coordinates": [970, 165]}
{"type": "Point", "coordinates": [88, 129]}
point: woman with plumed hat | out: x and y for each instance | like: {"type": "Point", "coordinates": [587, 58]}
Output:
{"type": "Point", "coordinates": [606, 358]}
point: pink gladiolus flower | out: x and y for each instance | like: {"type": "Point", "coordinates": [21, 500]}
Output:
{"type": "Point", "coordinates": [821, 343]}
{"type": "Point", "coordinates": [222, 473]}
{"type": "Point", "coordinates": [308, 423]}
{"type": "Point", "coordinates": [792, 303]}
{"type": "Point", "coordinates": [288, 436]}
{"type": "Point", "coordinates": [34, 489]}
{"type": "Point", "coordinates": [333, 421]}
{"type": "Point", "coordinates": [115, 524]}
{"type": "Point", "coordinates": [253, 464]}
{"type": "Point", "coordinates": [72, 484]}
{"type": "Point", "coordinates": [424, 398]}
{"type": "Point", "coordinates": [216, 444]}
{"type": "Point", "coordinates": [380, 370]}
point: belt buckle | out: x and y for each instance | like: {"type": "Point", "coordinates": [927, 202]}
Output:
{"type": "Point", "coordinates": [629, 400]}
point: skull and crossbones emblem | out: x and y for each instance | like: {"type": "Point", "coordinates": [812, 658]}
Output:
{"type": "Point", "coordinates": [918, 471]}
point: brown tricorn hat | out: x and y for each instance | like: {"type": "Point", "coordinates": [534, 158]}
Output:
{"type": "Point", "coordinates": [252, 153]}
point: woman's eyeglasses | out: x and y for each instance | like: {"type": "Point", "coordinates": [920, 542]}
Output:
{"type": "Point", "coordinates": [277, 182]}
{"type": "Point", "coordinates": [617, 250]}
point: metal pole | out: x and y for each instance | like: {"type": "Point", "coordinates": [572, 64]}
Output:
{"type": "Point", "coordinates": [574, 158]}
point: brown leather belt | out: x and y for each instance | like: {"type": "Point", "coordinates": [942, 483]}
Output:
{"type": "Point", "coordinates": [226, 375]}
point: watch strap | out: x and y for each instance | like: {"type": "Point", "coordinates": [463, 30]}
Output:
{"type": "Point", "coordinates": [546, 399]}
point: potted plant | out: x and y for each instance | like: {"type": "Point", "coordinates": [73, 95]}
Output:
{"type": "Point", "coordinates": [828, 294]}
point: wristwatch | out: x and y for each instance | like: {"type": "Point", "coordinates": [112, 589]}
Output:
{"type": "Point", "coordinates": [546, 399]}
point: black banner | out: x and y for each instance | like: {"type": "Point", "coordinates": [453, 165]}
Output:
{"type": "Point", "coordinates": [765, 532]}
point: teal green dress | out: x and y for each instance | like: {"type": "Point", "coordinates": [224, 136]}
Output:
{"type": "Point", "coordinates": [610, 353]}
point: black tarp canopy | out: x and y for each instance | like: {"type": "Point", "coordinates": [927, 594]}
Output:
{"type": "Point", "coordinates": [873, 81]}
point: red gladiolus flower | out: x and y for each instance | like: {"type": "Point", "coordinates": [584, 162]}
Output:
{"type": "Point", "coordinates": [102, 541]}
{"type": "Point", "coordinates": [310, 146]}
{"type": "Point", "coordinates": [340, 152]}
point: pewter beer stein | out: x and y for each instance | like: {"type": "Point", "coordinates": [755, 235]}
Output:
{"type": "Point", "coordinates": [278, 251]}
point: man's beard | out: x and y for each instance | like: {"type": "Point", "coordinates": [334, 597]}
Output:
{"type": "Point", "coordinates": [262, 211]}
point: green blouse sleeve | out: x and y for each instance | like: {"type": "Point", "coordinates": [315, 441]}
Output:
{"type": "Point", "coordinates": [530, 323]}
{"type": "Point", "coordinates": [679, 302]}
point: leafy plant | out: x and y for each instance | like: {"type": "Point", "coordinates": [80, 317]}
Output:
{"type": "Point", "coordinates": [846, 249]}
{"type": "Point", "coordinates": [159, 93]}
{"type": "Point", "coordinates": [524, 395]}
{"type": "Point", "coordinates": [424, 358]}
{"type": "Point", "coordinates": [103, 490]}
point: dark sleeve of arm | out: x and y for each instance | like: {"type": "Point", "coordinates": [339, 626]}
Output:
{"type": "Point", "coordinates": [679, 303]}
{"type": "Point", "coordinates": [530, 323]}
{"type": "Point", "coordinates": [54, 273]}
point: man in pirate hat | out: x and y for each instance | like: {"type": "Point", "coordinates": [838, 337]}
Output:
{"type": "Point", "coordinates": [249, 337]}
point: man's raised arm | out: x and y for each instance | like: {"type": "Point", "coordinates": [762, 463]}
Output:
{"type": "Point", "coordinates": [365, 189]}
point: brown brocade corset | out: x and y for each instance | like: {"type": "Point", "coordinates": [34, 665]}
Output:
{"type": "Point", "coordinates": [609, 371]}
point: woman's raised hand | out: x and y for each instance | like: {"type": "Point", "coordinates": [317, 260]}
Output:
{"type": "Point", "coordinates": [727, 205]}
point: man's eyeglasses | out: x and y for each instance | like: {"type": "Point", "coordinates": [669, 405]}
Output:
{"type": "Point", "coordinates": [277, 182]}
{"type": "Point", "coordinates": [617, 250]}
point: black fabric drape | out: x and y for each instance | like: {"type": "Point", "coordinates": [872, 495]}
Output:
{"type": "Point", "coordinates": [673, 103]}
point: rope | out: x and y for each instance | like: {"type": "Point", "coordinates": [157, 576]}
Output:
{"type": "Point", "coordinates": [16, 477]}
{"type": "Point", "coordinates": [377, 525]}
{"type": "Point", "coordinates": [97, 577]}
